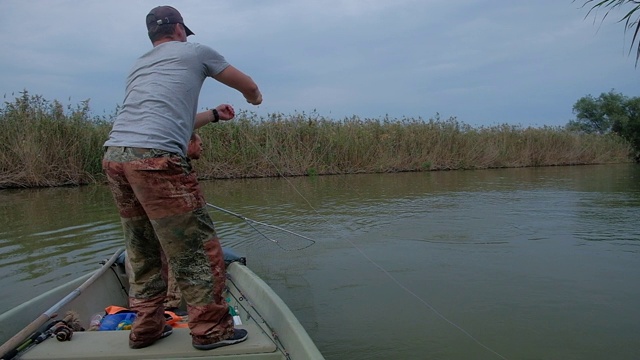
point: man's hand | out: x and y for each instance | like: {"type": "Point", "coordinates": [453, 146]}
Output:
{"type": "Point", "coordinates": [226, 112]}
{"type": "Point", "coordinates": [257, 100]}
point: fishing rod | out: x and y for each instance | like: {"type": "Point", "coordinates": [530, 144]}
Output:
{"type": "Point", "coordinates": [251, 223]}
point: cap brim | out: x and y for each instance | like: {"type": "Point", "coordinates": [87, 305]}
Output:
{"type": "Point", "coordinates": [189, 32]}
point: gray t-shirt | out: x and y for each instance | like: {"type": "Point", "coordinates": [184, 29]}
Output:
{"type": "Point", "coordinates": [161, 98]}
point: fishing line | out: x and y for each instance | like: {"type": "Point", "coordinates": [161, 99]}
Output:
{"type": "Point", "coordinates": [393, 279]}
{"type": "Point", "coordinates": [251, 223]}
{"type": "Point", "coordinates": [275, 338]}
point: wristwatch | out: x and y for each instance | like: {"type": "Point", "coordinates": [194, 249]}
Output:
{"type": "Point", "coordinates": [216, 116]}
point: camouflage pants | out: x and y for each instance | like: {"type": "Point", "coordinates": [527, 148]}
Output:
{"type": "Point", "coordinates": [174, 296]}
{"type": "Point", "coordinates": [163, 214]}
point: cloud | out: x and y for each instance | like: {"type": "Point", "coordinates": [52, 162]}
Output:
{"type": "Point", "coordinates": [516, 62]}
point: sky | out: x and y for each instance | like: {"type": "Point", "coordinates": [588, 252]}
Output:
{"type": "Point", "coordinates": [483, 62]}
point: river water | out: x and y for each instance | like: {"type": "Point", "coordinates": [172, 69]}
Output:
{"type": "Point", "coordinates": [536, 263]}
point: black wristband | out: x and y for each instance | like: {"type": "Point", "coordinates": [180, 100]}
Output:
{"type": "Point", "coordinates": [216, 116]}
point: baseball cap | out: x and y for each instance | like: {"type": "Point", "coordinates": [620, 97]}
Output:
{"type": "Point", "coordinates": [163, 15]}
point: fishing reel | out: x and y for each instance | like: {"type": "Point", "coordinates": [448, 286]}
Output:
{"type": "Point", "coordinates": [62, 331]}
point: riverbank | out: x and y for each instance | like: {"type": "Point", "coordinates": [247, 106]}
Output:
{"type": "Point", "coordinates": [43, 144]}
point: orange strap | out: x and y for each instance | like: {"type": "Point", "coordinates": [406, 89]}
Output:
{"type": "Point", "coordinates": [115, 309]}
{"type": "Point", "coordinates": [174, 320]}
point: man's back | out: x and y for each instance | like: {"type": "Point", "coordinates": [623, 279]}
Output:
{"type": "Point", "coordinates": [161, 98]}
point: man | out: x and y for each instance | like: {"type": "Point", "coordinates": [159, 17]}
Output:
{"type": "Point", "coordinates": [160, 202]}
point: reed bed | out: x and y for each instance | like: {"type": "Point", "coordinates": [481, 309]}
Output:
{"type": "Point", "coordinates": [301, 144]}
{"type": "Point", "coordinates": [43, 144]}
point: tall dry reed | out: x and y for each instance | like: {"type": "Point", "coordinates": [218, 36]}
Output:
{"type": "Point", "coordinates": [44, 144]}
{"type": "Point", "coordinates": [302, 144]}
{"type": "Point", "coordinates": [41, 144]}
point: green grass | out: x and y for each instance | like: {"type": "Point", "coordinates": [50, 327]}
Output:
{"type": "Point", "coordinates": [43, 144]}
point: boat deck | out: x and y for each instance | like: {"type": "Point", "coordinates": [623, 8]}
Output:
{"type": "Point", "coordinates": [274, 331]}
{"type": "Point", "coordinates": [114, 345]}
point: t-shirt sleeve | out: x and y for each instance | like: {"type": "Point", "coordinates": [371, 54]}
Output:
{"type": "Point", "coordinates": [212, 61]}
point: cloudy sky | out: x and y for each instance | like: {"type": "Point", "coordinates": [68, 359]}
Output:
{"type": "Point", "coordinates": [485, 62]}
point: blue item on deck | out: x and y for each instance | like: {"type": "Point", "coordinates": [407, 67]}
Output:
{"type": "Point", "coordinates": [117, 321]}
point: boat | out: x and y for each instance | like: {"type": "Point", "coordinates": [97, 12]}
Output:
{"type": "Point", "coordinates": [274, 332]}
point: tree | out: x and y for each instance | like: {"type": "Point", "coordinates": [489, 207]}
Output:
{"type": "Point", "coordinates": [631, 18]}
{"type": "Point", "coordinates": [598, 115]}
{"type": "Point", "coordinates": [629, 127]}
{"type": "Point", "coordinates": [611, 112]}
